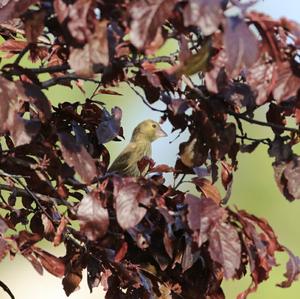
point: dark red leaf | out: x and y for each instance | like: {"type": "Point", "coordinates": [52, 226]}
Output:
{"type": "Point", "coordinates": [261, 79]}
{"type": "Point", "coordinates": [25, 239]}
{"type": "Point", "coordinates": [109, 127]}
{"type": "Point", "coordinates": [203, 215]}
{"type": "Point", "coordinates": [287, 176]}
{"type": "Point", "coordinates": [241, 45]}
{"type": "Point", "coordinates": [12, 9]}
{"type": "Point", "coordinates": [34, 26]}
{"type": "Point", "coordinates": [84, 60]}
{"type": "Point", "coordinates": [297, 108]}
{"type": "Point", "coordinates": [169, 244]}
{"type": "Point", "coordinates": [150, 83]}
{"type": "Point", "coordinates": [37, 98]}
{"type": "Point", "coordinates": [292, 175]}
{"type": "Point", "coordinates": [48, 226]}
{"type": "Point", "coordinates": [145, 165]}
{"type": "Point", "coordinates": [208, 189]}
{"type": "Point", "coordinates": [251, 289]}
{"type": "Point", "coordinates": [12, 46]}
{"type": "Point", "coordinates": [225, 248]}
{"type": "Point", "coordinates": [77, 16]}
{"type": "Point", "coordinates": [108, 91]}
{"type": "Point", "coordinates": [249, 148]}
{"type": "Point", "coordinates": [275, 115]}
{"type": "Point", "coordinates": [71, 282]}
{"type": "Point", "coordinates": [178, 106]}
{"type": "Point", "coordinates": [93, 217]}
{"type": "Point", "coordinates": [128, 197]}
{"type": "Point", "coordinates": [3, 226]}
{"type": "Point", "coordinates": [189, 257]}
{"type": "Point", "coordinates": [207, 14]}
{"type": "Point", "coordinates": [36, 224]}
{"type": "Point", "coordinates": [260, 248]}
{"type": "Point", "coordinates": [216, 79]}
{"type": "Point", "coordinates": [226, 174]}
{"type": "Point", "coordinates": [292, 270]}
{"type": "Point", "coordinates": [77, 156]}
{"type": "Point", "coordinates": [22, 131]}
{"type": "Point", "coordinates": [59, 232]}
{"type": "Point", "coordinates": [35, 263]}
{"type": "Point", "coordinates": [270, 236]}
{"type": "Point", "coordinates": [104, 279]}
{"type": "Point", "coordinates": [121, 252]}
{"type": "Point", "coordinates": [4, 248]}
{"type": "Point", "coordinates": [51, 263]}
{"type": "Point", "coordinates": [147, 18]}
{"type": "Point", "coordinates": [162, 168]}
{"type": "Point", "coordinates": [286, 84]}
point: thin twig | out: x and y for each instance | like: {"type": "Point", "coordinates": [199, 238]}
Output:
{"type": "Point", "coordinates": [95, 91]}
{"type": "Point", "coordinates": [6, 289]}
{"type": "Point", "coordinates": [33, 195]}
{"type": "Point", "coordinates": [179, 182]}
{"type": "Point", "coordinates": [65, 79]}
{"type": "Point", "coordinates": [262, 140]}
{"type": "Point", "coordinates": [100, 69]}
{"type": "Point", "coordinates": [262, 123]}
{"type": "Point", "coordinates": [36, 199]}
{"type": "Point", "coordinates": [21, 55]}
{"type": "Point", "coordinates": [23, 192]}
{"type": "Point", "coordinates": [191, 85]}
{"type": "Point", "coordinates": [144, 100]}
{"type": "Point", "coordinates": [243, 116]}
{"type": "Point", "coordinates": [50, 69]}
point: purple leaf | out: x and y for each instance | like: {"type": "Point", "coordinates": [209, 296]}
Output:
{"type": "Point", "coordinates": [77, 156]}
{"type": "Point", "coordinates": [92, 216]}
{"type": "Point", "coordinates": [128, 197]}
{"type": "Point", "coordinates": [147, 18]}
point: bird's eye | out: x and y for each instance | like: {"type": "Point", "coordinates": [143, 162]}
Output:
{"type": "Point", "coordinates": [154, 126]}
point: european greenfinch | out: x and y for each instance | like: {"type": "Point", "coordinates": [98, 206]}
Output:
{"type": "Point", "coordinates": [126, 164]}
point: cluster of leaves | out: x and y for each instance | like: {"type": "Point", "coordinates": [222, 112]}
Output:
{"type": "Point", "coordinates": [137, 237]}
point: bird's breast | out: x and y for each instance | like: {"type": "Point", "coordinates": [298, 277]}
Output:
{"type": "Point", "coordinates": [143, 149]}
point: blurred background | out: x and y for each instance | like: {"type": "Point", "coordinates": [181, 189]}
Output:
{"type": "Point", "coordinates": [254, 190]}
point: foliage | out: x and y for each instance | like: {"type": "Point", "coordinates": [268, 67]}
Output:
{"type": "Point", "coordinates": [138, 237]}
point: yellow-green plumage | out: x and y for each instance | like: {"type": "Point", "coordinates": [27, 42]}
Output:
{"type": "Point", "coordinates": [140, 146]}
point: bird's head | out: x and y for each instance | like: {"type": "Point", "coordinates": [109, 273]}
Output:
{"type": "Point", "coordinates": [148, 130]}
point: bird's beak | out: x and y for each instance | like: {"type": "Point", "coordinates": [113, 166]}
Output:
{"type": "Point", "coordinates": [160, 133]}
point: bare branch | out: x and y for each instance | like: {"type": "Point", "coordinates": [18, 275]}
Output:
{"type": "Point", "coordinates": [144, 100]}
{"type": "Point", "coordinates": [239, 115]}
{"type": "Point", "coordinates": [21, 54]}
{"type": "Point", "coordinates": [6, 289]}
{"type": "Point", "coordinates": [262, 123]}
{"type": "Point", "coordinates": [23, 192]}
{"type": "Point", "coordinates": [65, 80]}
{"type": "Point", "coordinates": [64, 67]}
{"type": "Point", "coordinates": [262, 140]}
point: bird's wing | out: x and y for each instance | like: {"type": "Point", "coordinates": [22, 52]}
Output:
{"type": "Point", "coordinates": [124, 163]}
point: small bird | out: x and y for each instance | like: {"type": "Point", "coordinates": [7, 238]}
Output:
{"type": "Point", "coordinates": [140, 146]}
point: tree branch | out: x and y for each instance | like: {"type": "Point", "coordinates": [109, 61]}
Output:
{"type": "Point", "coordinates": [23, 192]}
{"type": "Point", "coordinates": [239, 115]}
{"type": "Point", "coordinates": [21, 54]}
{"type": "Point", "coordinates": [144, 100]}
{"type": "Point", "coordinates": [262, 140]}
{"type": "Point", "coordinates": [262, 123]}
{"type": "Point", "coordinates": [100, 69]}
{"type": "Point", "coordinates": [6, 289]}
{"type": "Point", "coordinates": [65, 79]}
